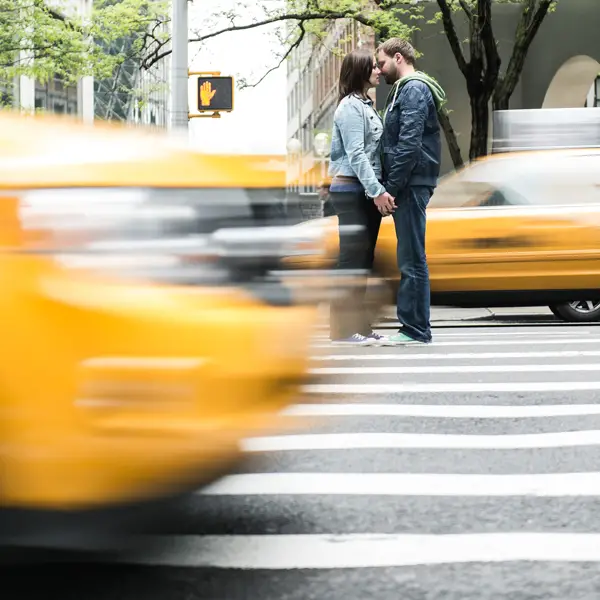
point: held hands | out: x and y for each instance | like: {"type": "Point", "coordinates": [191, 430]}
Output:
{"type": "Point", "coordinates": [385, 204]}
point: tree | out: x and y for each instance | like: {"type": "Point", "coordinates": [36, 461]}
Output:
{"type": "Point", "coordinates": [43, 40]}
{"type": "Point", "coordinates": [485, 79]}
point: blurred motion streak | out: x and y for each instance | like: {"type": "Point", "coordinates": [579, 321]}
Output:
{"type": "Point", "coordinates": [513, 229]}
{"type": "Point", "coordinates": [149, 323]}
{"type": "Point", "coordinates": [546, 129]}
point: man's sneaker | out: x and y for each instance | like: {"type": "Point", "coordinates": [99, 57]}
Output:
{"type": "Point", "coordinates": [401, 339]}
{"type": "Point", "coordinates": [354, 340]}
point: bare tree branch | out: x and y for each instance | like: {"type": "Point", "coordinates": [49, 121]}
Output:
{"type": "Point", "coordinates": [492, 57]}
{"type": "Point", "coordinates": [466, 8]}
{"type": "Point", "coordinates": [283, 58]}
{"type": "Point", "coordinates": [529, 24]}
{"type": "Point", "coordinates": [150, 38]}
{"type": "Point", "coordinates": [536, 20]}
{"type": "Point", "coordinates": [299, 17]}
{"type": "Point", "coordinates": [452, 36]}
{"type": "Point", "coordinates": [451, 139]}
{"type": "Point", "coordinates": [156, 54]}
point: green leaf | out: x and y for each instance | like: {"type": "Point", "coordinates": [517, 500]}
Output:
{"type": "Point", "coordinates": [44, 43]}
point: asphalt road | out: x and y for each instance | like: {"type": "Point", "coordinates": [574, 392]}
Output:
{"type": "Point", "coordinates": [463, 470]}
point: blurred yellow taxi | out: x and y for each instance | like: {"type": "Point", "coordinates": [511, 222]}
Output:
{"type": "Point", "coordinates": [147, 326]}
{"type": "Point", "coordinates": [514, 229]}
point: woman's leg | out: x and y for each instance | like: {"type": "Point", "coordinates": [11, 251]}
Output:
{"type": "Point", "coordinates": [347, 314]}
{"type": "Point", "coordinates": [373, 223]}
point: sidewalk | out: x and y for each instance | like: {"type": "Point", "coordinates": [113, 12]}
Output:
{"type": "Point", "coordinates": [442, 316]}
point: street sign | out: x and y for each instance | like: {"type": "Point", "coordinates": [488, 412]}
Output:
{"type": "Point", "coordinates": [215, 93]}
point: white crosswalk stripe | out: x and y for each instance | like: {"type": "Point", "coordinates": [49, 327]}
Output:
{"type": "Point", "coordinates": [407, 484]}
{"type": "Point", "coordinates": [447, 412]}
{"type": "Point", "coordinates": [510, 368]}
{"type": "Point", "coordinates": [285, 552]}
{"type": "Point", "coordinates": [452, 387]}
{"type": "Point", "coordinates": [407, 357]}
{"type": "Point", "coordinates": [486, 417]}
{"type": "Point", "coordinates": [522, 341]}
{"type": "Point", "coordinates": [444, 441]}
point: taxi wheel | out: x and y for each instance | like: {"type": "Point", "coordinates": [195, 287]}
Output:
{"type": "Point", "coordinates": [580, 311]}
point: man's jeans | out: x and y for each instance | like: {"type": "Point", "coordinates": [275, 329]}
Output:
{"type": "Point", "coordinates": [413, 308]}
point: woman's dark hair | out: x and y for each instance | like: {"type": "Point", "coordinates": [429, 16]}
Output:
{"type": "Point", "coordinates": [356, 70]}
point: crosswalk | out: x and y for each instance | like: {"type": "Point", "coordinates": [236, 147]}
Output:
{"type": "Point", "coordinates": [482, 448]}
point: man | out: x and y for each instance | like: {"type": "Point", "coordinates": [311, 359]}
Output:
{"type": "Point", "coordinates": [411, 156]}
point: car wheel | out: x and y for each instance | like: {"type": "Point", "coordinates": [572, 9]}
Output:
{"type": "Point", "coordinates": [555, 311]}
{"type": "Point", "coordinates": [580, 311]}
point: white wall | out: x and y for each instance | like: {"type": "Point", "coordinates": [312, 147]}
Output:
{"type": "Point", "coordinates": [257, 124]}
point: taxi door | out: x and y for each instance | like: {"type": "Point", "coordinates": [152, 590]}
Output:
{"type": "Point", "coordinates": [493, 241]}
{"type": "Point", "coordinates": [538, 231]}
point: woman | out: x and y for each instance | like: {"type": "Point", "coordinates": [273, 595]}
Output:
{"type": "Point", "coordinates": [355, 170]}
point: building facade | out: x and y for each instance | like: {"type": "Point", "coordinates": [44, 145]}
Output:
{"type": "Point", "coordinates": [313, 71]}
{"type": "Point", "coordinates": [134, 95]}
{"type": "Point", "coordinates": [561, 70]}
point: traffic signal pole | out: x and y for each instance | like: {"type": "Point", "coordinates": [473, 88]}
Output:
{"type": "Point", "coordinates": [179, 66]}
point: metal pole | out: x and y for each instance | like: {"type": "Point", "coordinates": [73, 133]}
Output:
{"type": "Point", "coordinates": [85, 86]}
{"type": "Point", "coordinates": [179, 66]}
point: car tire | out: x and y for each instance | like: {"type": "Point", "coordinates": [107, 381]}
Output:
{"type": "Point", "coordinates": [554, 311]}
{"type": "Point", "coordinates": [580, 311]}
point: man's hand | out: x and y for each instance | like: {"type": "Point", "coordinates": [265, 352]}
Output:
{"type": "Point", "coordinates": [385, 204]}
{"type": "Point", "coordinates": [206, 93]}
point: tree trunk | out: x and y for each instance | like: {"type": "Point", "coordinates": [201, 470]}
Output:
{"type": "Point", "coordinates": [531, 20]}
{"type": "Point", "coordinates": [480, 114]}
{"type": "Point", "coordinates": [451, 139]}
{"type": "Point", "coordinates": [501, 101]}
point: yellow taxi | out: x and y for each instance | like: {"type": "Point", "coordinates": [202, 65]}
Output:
{"type": "Point", "coordinates": [513, 229]}
{"type": "Point", "coordinates": [147, 324]}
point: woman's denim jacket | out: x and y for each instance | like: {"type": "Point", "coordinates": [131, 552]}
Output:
{"type": "Point", "coordinates": [357, 129]}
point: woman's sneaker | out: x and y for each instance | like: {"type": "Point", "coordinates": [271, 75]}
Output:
{"type": "Point", "coordinates": [354, 340]}
{"type": "Point", "coordinates": [377, 339]}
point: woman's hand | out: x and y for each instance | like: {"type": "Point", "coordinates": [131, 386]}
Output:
{"type": "Point", "coordinates": [385, 204]}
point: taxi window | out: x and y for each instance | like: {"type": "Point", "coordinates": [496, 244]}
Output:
{"type": "Point", "coordinates": [228, 207]}
{"type": "Point", "coordinates": [212, 209]}
{"type": "Point", "coordinates": [462, 193]}
{"type": "Point", "coordinates": [536, 179]}
{"type": "Point", "coordinates": [571, 180]}
{"type": "Point", "coordinates": [564, 193]}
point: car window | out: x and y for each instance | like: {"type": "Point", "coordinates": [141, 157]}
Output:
{"type": "Point", "coordinates": [533, 180]}
{"type": "Point", "coordinates": [563, 181]}
{"type": "Point", "coordinates": [456, 192]}
{"type": "Point", "coordinates": [467, 194]}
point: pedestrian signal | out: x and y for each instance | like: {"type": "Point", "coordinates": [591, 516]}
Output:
{"type": "Point", "coordinates": [215, 94]}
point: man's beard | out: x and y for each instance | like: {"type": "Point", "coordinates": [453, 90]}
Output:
{"type": "Point", "coordinates": [392, 77]}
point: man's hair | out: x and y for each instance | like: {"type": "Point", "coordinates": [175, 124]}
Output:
{"type": "Point", "coordinates": [398, 46]}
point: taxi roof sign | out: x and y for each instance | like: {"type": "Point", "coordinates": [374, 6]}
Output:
{"type": "Point", "coordinates": [215, 93]}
